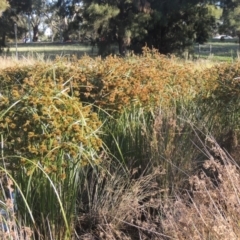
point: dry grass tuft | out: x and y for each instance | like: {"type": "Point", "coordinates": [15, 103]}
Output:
{"type": "Point", "coordinates": [124, 209]}
{"type": "Point", "coordinates": [7, 62]}
{"type": "Point", "coordinates": [208, 208]}
{"type": "Point", "coordinates": [11, 227]}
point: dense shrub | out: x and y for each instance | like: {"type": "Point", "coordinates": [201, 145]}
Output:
{"type": "Point", "coordinates": [43, 121]}
{"type": "Point", "coordinates": [114, 83]}
{"type": "Point", "coordinates": [219, 99]}
{"type": "Point", "coordinates": [47, 137]}
{"type": "Point", "coordinates": [50, 141]}
{"type": "Point", "coordinates": [13, 75]}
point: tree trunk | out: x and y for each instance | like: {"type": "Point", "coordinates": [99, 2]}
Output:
{"type": "Point", "coordinates": [66, 37]}
{"type": "Point", "coordinates": [2, 41]}
{"type": "Point", "coordinates": [52, 37]}
{"type": "Point", "coordinates": [238, 41]}
{"type": "Point", "coordinates": [121, 46]}
{"type": "Point", "coordinates": [35, 33]}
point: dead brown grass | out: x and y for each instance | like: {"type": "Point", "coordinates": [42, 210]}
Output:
{"type": "Point", "coordinates": [10, 226]}
{"type": "Point", "coordinates": [208, 208]}
{"type": "Point", "coordinates": [6, 62]}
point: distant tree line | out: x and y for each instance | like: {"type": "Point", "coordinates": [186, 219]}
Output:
{"type": "Point", "coordinates": [169, 26]}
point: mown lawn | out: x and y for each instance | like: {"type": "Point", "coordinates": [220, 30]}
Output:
{"type": "Point", "coordinates": [218, 51]}
{"type": "Point", "coordinates": [214, 50]}
{"type": "Point", "coordinates": [51, 50]}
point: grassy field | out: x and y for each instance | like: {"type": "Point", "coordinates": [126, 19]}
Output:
{"type": "Point", "coordinates": [50, 51]}
{"type": "Point", "coordinates": [218, 51]}
{"type": "Point", "coordinates": [215, 50]}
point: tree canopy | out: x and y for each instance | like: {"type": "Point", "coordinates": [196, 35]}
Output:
{"type": "Point", "coordinates": [3, 6]}
{"type": "Point", "coordinates": [120, 20]}
{"type": "Point", "coordinates": [165, 25]}
{"type": "Point", "coordinates": [231, 17]}
{"type": "Point", "coordinates": [176, 24]}
{"type": "Point", "coordinates": [170, 26]}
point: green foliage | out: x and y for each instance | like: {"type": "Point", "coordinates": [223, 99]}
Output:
{"type": "Point", "coordinates": [9, 17]}
{"type": "Point", "coordinates": [116, 21]}
{"type": "Point", "coordinates": [181, 25]}
{"type": "Point", "coordinates": [66, 13]}
{"type": "Point", "coordinates": [169, 26]}
{"type": "Point", "coordinates": [230, 17]}
{"type": "Point", "coordinates": [215, 11]}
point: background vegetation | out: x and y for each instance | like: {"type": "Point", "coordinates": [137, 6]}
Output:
{"type": "Point", "coordinates": [214, 50]}
{"type": "Point", "coordinates": [170, 27]}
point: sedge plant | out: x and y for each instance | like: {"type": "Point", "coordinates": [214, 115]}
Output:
{"type": "Point", "coordinates": [48, 139]}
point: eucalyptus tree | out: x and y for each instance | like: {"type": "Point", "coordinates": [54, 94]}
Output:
{"type": "Point", "coordinates": [231, 18]}
{"type": "Point", "coordinates": [54, 23]}
{"type": "Point", "coordinates": [234, 18]}
{"type": "Point", "coordinates": [119, 20]}
{"type": "Point", "coordinates": [9, 17]}
{"type": "Point", "coordinates": [33, 16]}
{"type": "Point", "coordinates": [66, 17]}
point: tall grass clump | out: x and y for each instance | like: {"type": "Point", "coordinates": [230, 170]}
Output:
{"type": "Point", "coordinates": [218, 104]}
{"type": "Point", "coordinates": [144, 140]}
{"type": "Point", "coordinates": [48, 137]}
{"type": "Point", "coordinates": [128, 135]}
